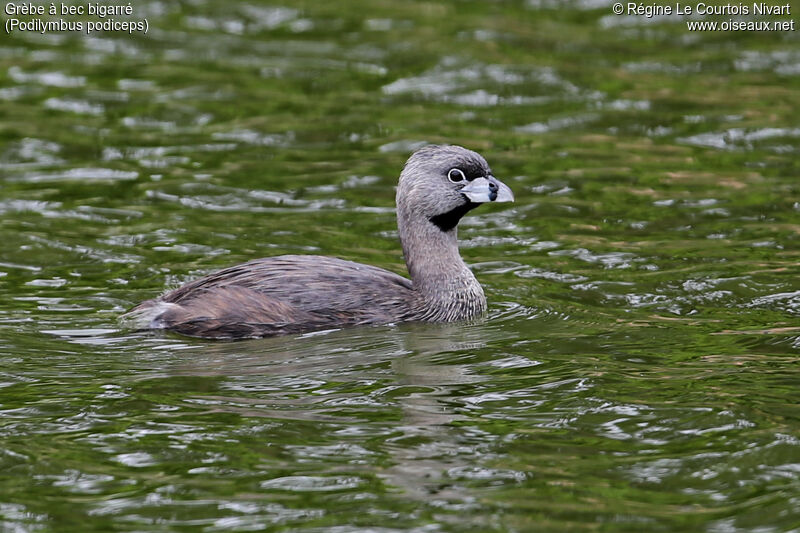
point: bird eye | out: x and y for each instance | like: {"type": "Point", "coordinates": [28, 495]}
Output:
{"type": "Point", "coordinates": [455, 175]}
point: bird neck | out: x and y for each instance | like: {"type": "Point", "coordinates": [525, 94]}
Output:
{"type": "Point", "coordinates": [445, 283]}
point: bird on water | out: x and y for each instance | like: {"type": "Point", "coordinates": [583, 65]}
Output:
{"type": "Point", "coordinates": [301, 293]}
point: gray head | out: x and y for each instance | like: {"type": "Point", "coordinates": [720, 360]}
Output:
{"type": "Point", "coordinates": [440, 183]}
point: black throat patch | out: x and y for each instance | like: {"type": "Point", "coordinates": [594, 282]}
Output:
{"type": "Point", "coordinates": [449, 220]}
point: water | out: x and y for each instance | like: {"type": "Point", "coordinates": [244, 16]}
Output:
{"type": "Point", "coordinates": [638, 368]}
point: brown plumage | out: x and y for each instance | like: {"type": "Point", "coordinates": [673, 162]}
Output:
{"type": "Point", "coordinates": [298, 293]}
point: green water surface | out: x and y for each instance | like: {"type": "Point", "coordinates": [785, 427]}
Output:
{"type": "Point", "coordinates": [638, 367]}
